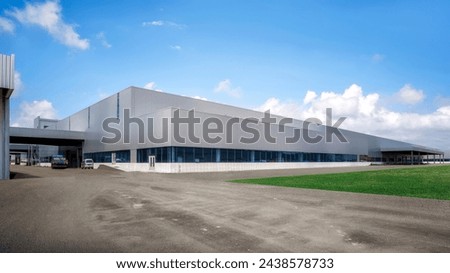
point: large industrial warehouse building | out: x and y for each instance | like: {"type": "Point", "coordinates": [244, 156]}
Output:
{"type": "Point", "coordinates": [143, 130]}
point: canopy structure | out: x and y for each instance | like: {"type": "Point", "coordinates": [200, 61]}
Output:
{"type": "Point", "coordinates": [411, 156]}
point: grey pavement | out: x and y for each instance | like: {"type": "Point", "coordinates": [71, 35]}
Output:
{"type": "Point", "coordinates": [105, 210]}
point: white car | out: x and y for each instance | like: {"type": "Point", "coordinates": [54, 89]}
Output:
{"type": "Point", "coordinates": [87, 164]}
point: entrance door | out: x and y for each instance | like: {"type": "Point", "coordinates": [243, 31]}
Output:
{"type": "Point", "coordinates": [151, 162]}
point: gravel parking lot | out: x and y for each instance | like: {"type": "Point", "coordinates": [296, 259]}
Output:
{"type": "Point", "coordinates": [105, 210]}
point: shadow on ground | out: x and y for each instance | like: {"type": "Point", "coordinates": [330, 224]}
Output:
{"type": "Point", "coordinates": [17, 175]}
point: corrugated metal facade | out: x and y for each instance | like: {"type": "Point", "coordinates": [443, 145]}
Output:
{"type": "Point", "coordinates": [7, 73]}
{"type": "Point", "coordinates": [144, 104]}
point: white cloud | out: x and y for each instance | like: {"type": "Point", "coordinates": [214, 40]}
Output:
{"type": "Point", "coordinates": [283, 108]}
{"type": "Point", "coordinates": [366, 114]}
{"type": "Point", "coordinates": [200, 98]}
{"type": "Point", "coordinates": [102, 38]}
{"type": "Point", "coordinates": [377, 58]}
{"type": "Point", "coordinates": [310, 96]}
{"type": "Point", "coordinates": [226, 87]}
{"type": "Point", "coordinates": [48, 16]}
{"type": "Point", "coordinates": [160, 23]}
{"type": "Point", "coordinates": [103, 95]}
{"type": "Point", "coordinates": [150, 85]}
{"type": "Point", "coordinates": [153, 23]}
{"type": "Point", "coordinates": [6, 25]}
{"type": "Point", "coordinates": [18, 84]}
{"type": "Point", "coordinates": [30, 110]}
{"type": "Point", "coordinates": [176, 47]}
{"type": "Point", "coordinates": [409, 95]}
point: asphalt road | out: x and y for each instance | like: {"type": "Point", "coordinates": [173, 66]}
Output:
{"type": "Point", "coordinates": [74, 210]}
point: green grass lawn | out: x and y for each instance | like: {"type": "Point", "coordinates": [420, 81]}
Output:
{"type": "Point", "coordinates": [424, 182]}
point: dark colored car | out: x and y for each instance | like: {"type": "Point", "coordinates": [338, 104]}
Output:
{"type": "Point", "coordinates": [59, 161]}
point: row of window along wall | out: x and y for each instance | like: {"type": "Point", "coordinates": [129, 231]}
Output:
{"type": "Point", "coordinates": [107, 157]}
{"type": "Point", "coordinates": [191, 154]}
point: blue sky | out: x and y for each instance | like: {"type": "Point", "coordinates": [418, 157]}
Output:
{"type": "Point", "coordinates": [384, 64]}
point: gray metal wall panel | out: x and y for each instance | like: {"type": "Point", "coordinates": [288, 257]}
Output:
{"type": "Point", "coordinates": [63, 124]}
{"type": "Point", "coordinates": [7, 72]}
{"type": "Point", "coordinates": [145, 103]}
{"type": "Point", "coordinates": [79, 121]}
{"type": "Point", "coordinates": [149, 101]}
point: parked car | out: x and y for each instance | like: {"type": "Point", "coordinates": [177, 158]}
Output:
{"type": "Point", "coordinates": [87, 164]}
{"type": "Point", "coordinates": [59, 161]}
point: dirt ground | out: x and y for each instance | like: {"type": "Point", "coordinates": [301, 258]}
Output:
{"type": "Point", "coordinates": [105, 210]}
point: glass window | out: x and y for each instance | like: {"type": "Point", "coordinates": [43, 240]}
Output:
{"type": "Point", "coordinates": [106, 157]}
{"type": "Point", "coordinates": [194, 154]}
{"type": "Point", "coordinates": [189, 154]}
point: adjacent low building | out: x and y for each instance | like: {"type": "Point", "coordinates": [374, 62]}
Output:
{"type": "Point", "coordinates": [144, 130]}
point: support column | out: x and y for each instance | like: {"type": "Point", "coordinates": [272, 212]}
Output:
{"type": "Point", "coordinates": [172, 154]}
{"type": "Point", "coordinates": [4, 137]}
{"type": "Point", "coordinates": [6, 89]}
{"type": "Point", "coordinates": [79, 154]}
{"type": "Point", "coordinates": [29, 154]}
{"type": "Point", "coordinates": [412, 158]}
{"type": "Point", "coordinates": [133, 156]}
{"type": "Point", "coordinates": [217, 155]}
